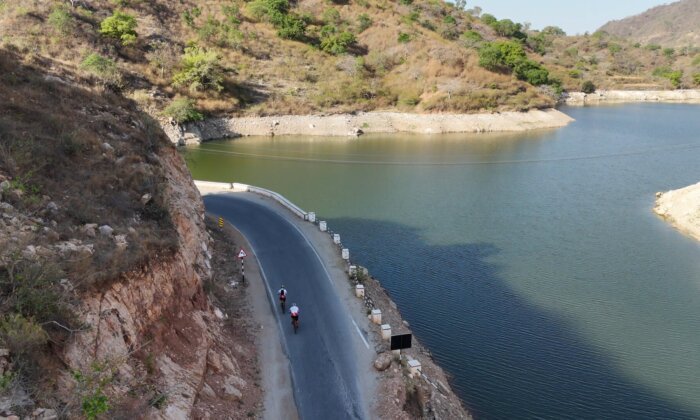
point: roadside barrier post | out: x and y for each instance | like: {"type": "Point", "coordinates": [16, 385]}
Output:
{"type": "Point", "coordinates": [377, 316]}
{"type": "Point", "coordinates": [414, 368]}
{"type": "Point", "coordinates": [346, 254]}
{"type": "Point", "coordinates": [386, 331]}
{"type": "Point", "coordinates": [241, 255]}
{"type": "Point", "coordinates": [360, 291]}
{"type": "Point", "coordinates": [322, 226]}
{"type": "Point", "coordinates": [221, 222]}
{"type": "Point", "coordinates": [336, 238]}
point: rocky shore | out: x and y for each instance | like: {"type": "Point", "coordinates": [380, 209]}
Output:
{"type": "Point", "coordinates": [690, 96]}
{"type": "Point", "coordinates": [681, 208]}
{"type": "Point", "coordinates": [364, 122]}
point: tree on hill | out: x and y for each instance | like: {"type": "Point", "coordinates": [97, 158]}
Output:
{"type": "Point", "coordinates": [120, 26]}
{"type": "Point", "coordinates": [200, 69]}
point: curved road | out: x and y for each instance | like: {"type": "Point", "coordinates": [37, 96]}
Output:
{"type": "Point", "coordinates": [323, 363]}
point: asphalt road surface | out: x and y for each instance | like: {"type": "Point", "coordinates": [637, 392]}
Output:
{"type": "Point", "coordinates": [323, 364]}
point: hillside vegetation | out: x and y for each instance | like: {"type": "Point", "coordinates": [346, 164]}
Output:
{"type": "Point", "coordinates": [674, 25]}
{"type": "Point", "coordinates": [271, 56]}
{"type": "Point", "coordinates": [187, 60]}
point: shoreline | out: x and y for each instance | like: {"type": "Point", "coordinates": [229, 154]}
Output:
{"type": "Point", "coordinates": [681, 208]}
{"type": "Point", "coordinates": [364, 123]}
{"type": "Point", "coordinates": [602, 97]}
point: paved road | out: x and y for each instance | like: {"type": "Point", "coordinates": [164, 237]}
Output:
{"type": "Point", "coordinates": [323, 363]}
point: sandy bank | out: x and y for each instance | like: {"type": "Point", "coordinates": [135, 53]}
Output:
{"type": "Point", "coordinates": [689, 96]}
{"type": "Point", "coordinates": [681, 208]}
{"type": "Point", "coordinates": [365, 122]}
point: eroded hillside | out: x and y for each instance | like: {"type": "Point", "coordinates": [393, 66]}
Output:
{"type": "Point", "coordinates": [103, 258]}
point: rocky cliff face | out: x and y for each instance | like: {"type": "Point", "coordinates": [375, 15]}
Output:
{"type": "Point", "coordinates": [163, 301]}
{"type": "Point", "coordinates": [104, 253]}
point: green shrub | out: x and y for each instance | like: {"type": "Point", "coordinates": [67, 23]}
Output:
{"type": "Point", "coordinates": [200, 69]}
{"type": "Point", "coordinates": [669, 52]}
{"type": "Point", "coordinates": [182, 110]}
{"type": "Point", "coordinates": [21, 335]}
{"type": "Point", "coordinates": [501, 56]}
{"type": "Point", "coordinates": [334, 42]}
{"type": "Point", "coordinates": [189, 16]}
{"type": "Point", "coordinates": [61, 20]}
{"type": "Point", "coordinates": [575, 74]}
{"type": "Point", "coordinates": [696, 78]}
{"type": "Point", "coordinates": [587, 87]}
{"type": "Point", "coordinates": [103, 68]}
{"type": "Point", "coordinates": [449, 20]}
{"type": "Point", "coordinates": [653, 47]}
{"type": "Point", "coordinates": [232, 14]}
{"type": "Point", "coordinates": [120, 26]}
{"type": "Point", "coordinates": [331, 16]}
{"type": "Point", "coordinates": [614, 48]}
{"type": "Point", "coordinates": [509, 56]}
{"type": "Point", "coordinates": [472, 38]}
{"type": "Point", "coordinates": [267, 8]}
{"type": "Point", "coordinates": [488, 19]}
{"type": "Point", "coordinates": [404, 38]}
{"type": "Point", "coordinates": [406, 2]}
{"type": "Point", "coordinates": [291, 27]}
{"type": "Point", "coordinates": [363, 22]}
{"type": "Point", "coordinates": [674, 76]}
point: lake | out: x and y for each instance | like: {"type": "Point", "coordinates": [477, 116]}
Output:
{"type": "Point", "coordinates": [530, 264]}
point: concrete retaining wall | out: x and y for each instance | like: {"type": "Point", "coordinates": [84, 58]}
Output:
{"type": "Point", "coordinates": [205, 186]}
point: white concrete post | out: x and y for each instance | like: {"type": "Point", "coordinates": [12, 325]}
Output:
{"type": "Point", "coordinates": [322, 226]}
{"type": "Point", "coordinates": [377, 316]}
{"type": "Point", "coordinates": [360, 291]}
{"type": "Point", "coordinates": [413, 368]}
{"type": "Point", "coordinates": [346, 254]}
{"type": "Point", "coordinates": [311, 216]}
{"type": "Point", "coordinates": [396, 353]}
{"type": "Point", "coordinates": [336, 238]}
{"type": "Point", "coordinates": [386, 331]}
{"type": "Point", "coordinates": [352, 270]}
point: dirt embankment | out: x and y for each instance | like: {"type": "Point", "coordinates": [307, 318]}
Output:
{"type": "Point", "coordinates": [365, 122]}
{"type": "Point", "coordinates": [688, 96]}
{"type": "Point", "coordinates": [681, 208]}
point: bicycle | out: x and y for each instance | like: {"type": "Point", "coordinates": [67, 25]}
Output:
{"type": "Point", "coordinates": [283, 304]}
{"type": "Point", "coordinates": [295, 324]}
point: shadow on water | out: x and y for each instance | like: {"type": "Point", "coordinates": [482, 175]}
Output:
{"type": "Point", "coordinates": [509, 358]}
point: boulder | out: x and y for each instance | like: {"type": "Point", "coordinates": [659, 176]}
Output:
{"type": "Point", "coordinates": [4, 185]}
{"type": "Point", "coordinates": [146, 198]}
{"type": "Point", "coordinates": [106, 230]}
{"type": "Point", "coordinates": [383, 362]}
{"type": "Point", "coordinates": [52, 207]}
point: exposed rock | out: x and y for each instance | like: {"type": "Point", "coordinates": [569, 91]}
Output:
{"type": "Point", "coordinates": [44, 414]}
{"type": "Point", "coordinates": [52, 207]}
{"type": "Point", "coordinates": [383, 362]}
{"type": "Point", "coordinates": [146, 198]}
{"type": "Point", "coordinates": [29, 252]}
{"type": "Point", "coordinates": [4, 185]}
{"type": "Point", "coordinates": [236, 381]}
{"type": "Point", "coordinates": [207, 391]}
{"type": "Point", "coordinates": [107, 148]}
{"type": "Point", "coordinates": [214, 362]}
{"type": "Point", "coordinates": [120, 241]}
{"type": "Point", "coordinates": [89, 229]}
{"type": "Point", "coordinates": [231, 392]}
{"type": "Point", "coordinates": [106, 230]}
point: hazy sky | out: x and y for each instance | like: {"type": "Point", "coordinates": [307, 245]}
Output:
{"type": "Point", "coordinates": [573, 17]}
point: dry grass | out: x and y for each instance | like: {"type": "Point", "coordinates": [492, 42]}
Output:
{"type": "Point", "coordinates": [266, 74]}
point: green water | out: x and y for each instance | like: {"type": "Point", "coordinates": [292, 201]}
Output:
{"type": "Point", "coordinates": [530, 264]}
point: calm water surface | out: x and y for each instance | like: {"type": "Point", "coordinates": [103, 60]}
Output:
{"type": "Point", "coordinates": [530, 264]}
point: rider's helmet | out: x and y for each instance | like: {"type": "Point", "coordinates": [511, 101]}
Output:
{"type": "Point", "coordinates": [294, 304]}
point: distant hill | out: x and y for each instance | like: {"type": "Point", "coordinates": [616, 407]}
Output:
{"type": "Point", "coordinates": [673, 25]}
